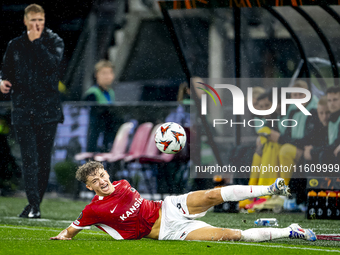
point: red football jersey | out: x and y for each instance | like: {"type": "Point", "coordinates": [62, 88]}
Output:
{"type": "Point", "coordinates": [123, 215]}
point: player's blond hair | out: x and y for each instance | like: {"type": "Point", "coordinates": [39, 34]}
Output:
{"type": "Point", "coordinates": [87, 169]}
{"type": "Point", "coordinates": [35, 8]}
{"type": "Point", "coordinates": [103, 63]}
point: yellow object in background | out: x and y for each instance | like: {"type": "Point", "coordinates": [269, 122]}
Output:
{"type": "Point", "coordinates": [254, 175]}
{"type": "Point", "coordinates": [4, 128]}
{"type": "Point", "coordinates": [270, 158]}
{"type": "Point", "coordinates": [287, 159]}
{"type": "Point", "coordinates": [61, 87]}
{"type": "Point", "coordinates": [245, 202]}
{"type": "Point", "coordinates": [264, 130]}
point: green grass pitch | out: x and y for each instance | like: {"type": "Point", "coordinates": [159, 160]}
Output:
{"type": "Point", "coordinates": [24, 236]}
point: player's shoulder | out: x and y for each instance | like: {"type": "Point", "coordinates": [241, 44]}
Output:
{"type": "Point", "coordinates": [121, 185]}
{"type": "Point", "coordinates": [87, 209]}
{"type": "Point", "coordinates": [122, 182]}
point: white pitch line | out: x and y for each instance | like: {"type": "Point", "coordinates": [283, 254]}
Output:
{"type": "Point", "coordinates": [319, 229]}
{"type": "Point", "coordinates": [330, 234]}
{"type": "Point", "coordinates": [42, 220]}
{"type": "Point", "coordinates": [274, 246]}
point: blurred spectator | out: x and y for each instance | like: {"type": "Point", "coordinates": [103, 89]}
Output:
{"type": "Point", "coordinates": [331, 153]}
{"type": "Point", "coordinates": [294, 139]}
{"type": "Point", "coordinates": [257, 91]}
{"type": "Point", "coordinates": [264, 102]}
{"type": "Point", "coordinates": [181, 114]}
{"type": "Point", "coordinates": [102, 120]}
{"type": "Point", "coordinates": [266, 151]}
{"type": "Point", "coordinates": [312, 152]}
{"type": "Point", "coordinates": [30, 68]}
{"type": "Point", "coordinates": [315, 136]}
{"type": "Point", "coordinates": [172, 177]}
{"type": "Point", "coordinates": [308, 132]}
{"type": "Point", "coordinates": [284, 146]}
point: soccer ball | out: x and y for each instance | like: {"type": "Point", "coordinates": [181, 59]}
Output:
{"type": "Point", "coordinates": [170, 138]}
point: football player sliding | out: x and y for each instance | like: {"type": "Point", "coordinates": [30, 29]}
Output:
{"type": "Point", "coordinates": [120, 211]}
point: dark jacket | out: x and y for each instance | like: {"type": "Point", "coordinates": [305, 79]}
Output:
{"type": "Point", "coordinates": [320, 137]}
{"type": "Point", "coordinates": [32, 68]}
{"type": "Point", "coordinates": [314, 133]}
{"type": "Point", "coordinates": [335, 120]}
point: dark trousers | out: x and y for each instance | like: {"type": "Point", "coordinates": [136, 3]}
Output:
{"type": "Point", "coordinates": [328, 157]}
{"type": "Point", "coordinates": [36, 143]}
{"type": "Point", "coordinates": [8, 167]}
{"type": "Point", "coordinates": [103, 123]}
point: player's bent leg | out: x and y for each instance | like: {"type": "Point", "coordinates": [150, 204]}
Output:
{"type": "Point", "coordinates": [214, 234]}
{"type": "Point", "coordinates": [201, 201]}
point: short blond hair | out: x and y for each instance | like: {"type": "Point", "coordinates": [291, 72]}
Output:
{"type": "Point", "coordinates": [36, 8]}
{"type": "Point", "coordinates": [300, 84]}
{"type": "Point", "coordinates": [89, 168]}
{"type": "Point", "coordinates": [103, 63]}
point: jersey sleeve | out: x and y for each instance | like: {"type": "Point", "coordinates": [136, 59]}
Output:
{"type": "Point", "coordinates": [86, 218]}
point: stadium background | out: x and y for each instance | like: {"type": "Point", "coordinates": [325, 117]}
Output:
{"type": "Point", "coordinates": [135, 37]}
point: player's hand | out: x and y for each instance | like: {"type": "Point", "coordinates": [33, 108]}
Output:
{"type": "Point", "coordinates": [61, 236]}
{"type": "Point", "coordinates": [274, 136]}
{"type": "Point", "coordinates": [336, 151]}
{"type": "Point", "coordinates": [5, 86]}
{"type": "Point", "coordinates": [306, 152]}
{"type": "Point", "coordinates": [34, 33]}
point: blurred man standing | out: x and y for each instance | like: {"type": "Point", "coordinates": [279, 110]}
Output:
{"type": "Point", "coordinates": [331, 154]}
{"type": "Point", "coordinates": [30, 67]}
{"type": "Point", "coordinates": [319, 134]}
{"type": "Point", "coordinates": [102, 120]}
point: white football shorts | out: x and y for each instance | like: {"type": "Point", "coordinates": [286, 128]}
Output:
{"type": "Point", "coordinates": [176, 222]}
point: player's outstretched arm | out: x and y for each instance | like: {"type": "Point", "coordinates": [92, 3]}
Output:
{"type": "Point", "coordinates": [66, 234]}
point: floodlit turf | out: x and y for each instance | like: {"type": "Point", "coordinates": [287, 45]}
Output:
{"type": "Point", "coordinates": [23, 236]}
